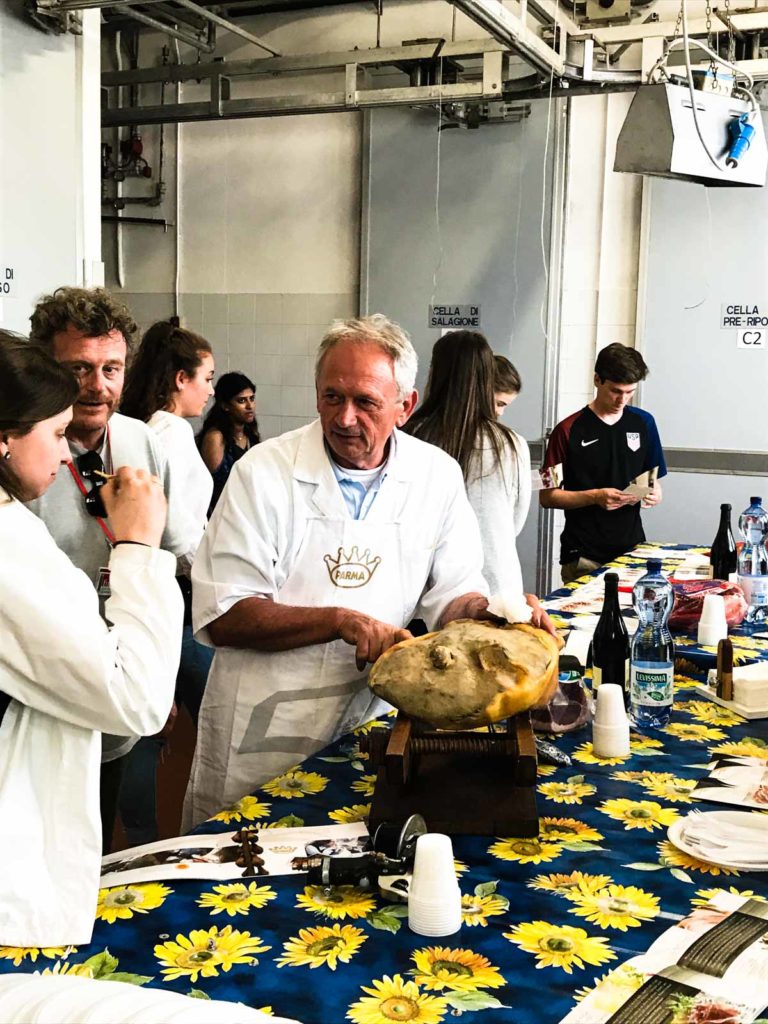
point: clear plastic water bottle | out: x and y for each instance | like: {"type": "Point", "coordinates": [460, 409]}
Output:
{"type": "Point", "coordinates": [652, 659]}
{"type": "Point", "coordinates": [753, 560]}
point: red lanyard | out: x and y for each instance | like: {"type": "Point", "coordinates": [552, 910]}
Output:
{"type": "Point", "coordinates": [78, 480]}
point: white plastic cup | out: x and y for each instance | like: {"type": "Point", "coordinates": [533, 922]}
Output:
{"type": "Point", "coordinates": [433, 868]}
{"type": "Point", "coordinates": [435, 918]}
{"type": "Point", "coordinates": [712, 624]}
{"type": "Point", "coordinates": [610, 727]}
{"type": "Point", "coordinates": [434, 897]}
{"type": "Point", "coordinates": [610, 704]}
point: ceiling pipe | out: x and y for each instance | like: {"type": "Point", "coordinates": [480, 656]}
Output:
{"type": "Point", "coordinates": [169, 30]}
{"type": "Point", "coordinates": [228, 25]}
{"type": "Point", "coordinates": [111, 218]}
{"type": "Point", "coordinates": [181, 19]}
{"type": "Point", "coordinates": [119, 254]}
{"type": "Point", "coordinates": [239, 8]}
{"type": "Point", "coordinates": [125, 7]}
{"type": "Point", "coordinates": [512, 32]}
{"type": "Point", "coordinates": [86, 5]}
{"type": "Point", "coordinates": [251, 7]}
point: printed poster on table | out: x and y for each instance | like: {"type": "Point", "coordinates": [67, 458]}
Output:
{"type": "Point", "coordinates": [220, 856]}
{"type": "Point", "coordinates": [710, 968]}
{"type": "Point", "coordinates": [741, 781]}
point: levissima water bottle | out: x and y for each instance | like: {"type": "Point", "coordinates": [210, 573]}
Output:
{"type": "Point", "coordinates": [753, 560]}
{"type": "Point", "coordinates": [652, 659]}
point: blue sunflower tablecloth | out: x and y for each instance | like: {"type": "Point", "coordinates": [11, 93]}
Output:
{"type": "Point", "coordinates": [543, 919]}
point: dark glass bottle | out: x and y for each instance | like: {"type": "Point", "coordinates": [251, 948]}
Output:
{"type": "Point", "coordinates": [722, 555]}
{"type": "Point", "coordinates": [610, 642]}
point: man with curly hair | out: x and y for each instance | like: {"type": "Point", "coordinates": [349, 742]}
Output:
{"type": "Point", "coordinates": [90, 332]}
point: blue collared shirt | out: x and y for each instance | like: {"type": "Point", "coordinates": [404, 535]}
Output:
{"type": "Point", "coordinates": [359, 488]}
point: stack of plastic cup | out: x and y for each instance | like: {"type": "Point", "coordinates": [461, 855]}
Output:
{"type": "Point", "coordinates": [610, 726]}
{"type": "Point", "coordinates": [712, 624]}
{"type": "Point", "coordinates": [434, 898]}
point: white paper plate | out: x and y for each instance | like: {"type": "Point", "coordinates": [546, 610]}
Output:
{"type": "Point", "coordinates": [675, 836]}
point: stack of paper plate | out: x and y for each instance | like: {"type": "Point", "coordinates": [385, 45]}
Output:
{"type": "Point", "coordinates": [733, 839]}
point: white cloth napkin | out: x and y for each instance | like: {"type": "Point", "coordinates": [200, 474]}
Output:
{"type": "Point", "coordinates": [510, 605]}
{"type": "Point", "coordinates": [750, 684]}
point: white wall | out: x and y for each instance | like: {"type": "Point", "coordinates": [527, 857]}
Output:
{"type": "Point", "coordinates": [269, 249]}
{"type": "Point", "coordinates": [270, 223]}
{"type": "Point", "coordinates": [601, 254]}
{"type": "Point", "coordinates": [49, 180]}
{"type": "Point", "coordinates": [691, 512]}
{"type": "Point", "coordinates": [269, 205]}
{"type": "Point", "coordinates": [602, 242]}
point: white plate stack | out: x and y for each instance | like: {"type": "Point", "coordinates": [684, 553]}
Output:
{"type": "Point", "coordinates": [732, 839]}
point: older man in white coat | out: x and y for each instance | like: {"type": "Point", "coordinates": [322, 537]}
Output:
{"type": "Point", "coordinates": [327, 541]}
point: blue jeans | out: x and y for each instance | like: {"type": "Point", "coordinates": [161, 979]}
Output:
{"type": "Point", "coordinates": [193, 673]}
{"type": "Point", "coordinates": [138, 790]}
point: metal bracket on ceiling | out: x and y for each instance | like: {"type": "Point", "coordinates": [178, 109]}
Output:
{"type": "Point", "coordinates": [475, 115]}
{"type": "Point", "coordinates": [515, 31]}
{"type": "Point", "coordinates": [65, 7]}
{"type": "Point", "coordinates": [360, 90]}
{"type": "Point", "coordinates": [52, 20]}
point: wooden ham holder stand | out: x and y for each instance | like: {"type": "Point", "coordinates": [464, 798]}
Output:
{"type": "Point", "coordinates": [462, 783]}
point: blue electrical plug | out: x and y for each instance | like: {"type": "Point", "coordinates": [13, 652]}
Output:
{"type": "Point", "coordinates": [741, 132]}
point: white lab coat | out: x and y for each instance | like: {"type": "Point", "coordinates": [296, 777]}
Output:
{"type": "Point", "coordinates": [195, 483]}
{"type": "Point", "coordinates": [71, 677]}
{"type": "Point", "coordinates": [282, 530]}
{"type": "Point", "coordinates": [500, 496]}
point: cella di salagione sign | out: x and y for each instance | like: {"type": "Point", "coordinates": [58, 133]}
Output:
{"type": "Point", "coordinates": [454, 317]}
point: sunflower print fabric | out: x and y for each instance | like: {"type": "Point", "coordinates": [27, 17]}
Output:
{"type": "Point", "coordinates": [19, 954]}
{"type": "Point", "coordinates": [250, 808]}
{"type": "Point", "coordinates": [126, 900]}
{"type": "Point", "coordinates": [236, 898]}
{"type": "Point", "coordinates": [563, 946]}
{"type": "Point", "coordinates": [395, 999]}
{"type": "Point", "coordinates": [323, 946]}
{"type": "Point", "coordinates": [544, 917]}
{"type": "Point", "coordinates": [207, 952]}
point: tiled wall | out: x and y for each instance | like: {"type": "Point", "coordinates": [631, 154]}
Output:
{"type": "Point", "coordinates": [269, 337]}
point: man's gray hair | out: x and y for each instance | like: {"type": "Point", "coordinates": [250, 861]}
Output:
{"type": "Point", "coordinates": [376, 330]}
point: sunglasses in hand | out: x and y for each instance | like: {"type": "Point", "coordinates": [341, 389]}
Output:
{"type": "Point", "coordinates": [91, 468]}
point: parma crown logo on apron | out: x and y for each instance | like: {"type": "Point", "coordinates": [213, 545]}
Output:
{"type": "Point", "coordinates": [351, 569]}
{"type": "Point", "coordinates": [633, 440]}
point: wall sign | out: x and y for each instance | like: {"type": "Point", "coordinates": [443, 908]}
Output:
{"type": "Point", "coordinates": [743, 315]}
{"type": "Point", "coordinates": [454, 317]}
{"type": "Point", "coordinates": [754, 340]}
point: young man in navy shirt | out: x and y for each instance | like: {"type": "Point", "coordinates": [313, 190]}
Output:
{"type": "Point", "coordinates": [600, 449]}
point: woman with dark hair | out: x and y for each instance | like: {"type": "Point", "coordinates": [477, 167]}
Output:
{"type": "Point", "coordinates": [66, 675]}
{"type": "Point", "coordinates": [506, 384]}
{"type": "Point", "coordinates": [459, 415]}
{"type": "Point", "coordinates": [169, 382]}
{"type": "Point", "coordinates": [229, 429]}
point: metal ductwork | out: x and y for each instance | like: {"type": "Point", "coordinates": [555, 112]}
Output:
{"type": "Point", "coordinates": [659, 137]}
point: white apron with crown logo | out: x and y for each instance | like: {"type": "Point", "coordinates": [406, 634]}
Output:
{"type": "Point", "coordinates": [263, 713]}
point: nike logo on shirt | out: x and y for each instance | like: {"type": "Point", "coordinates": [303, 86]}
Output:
{"type": "Point", "coordinates": [586, 444]}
